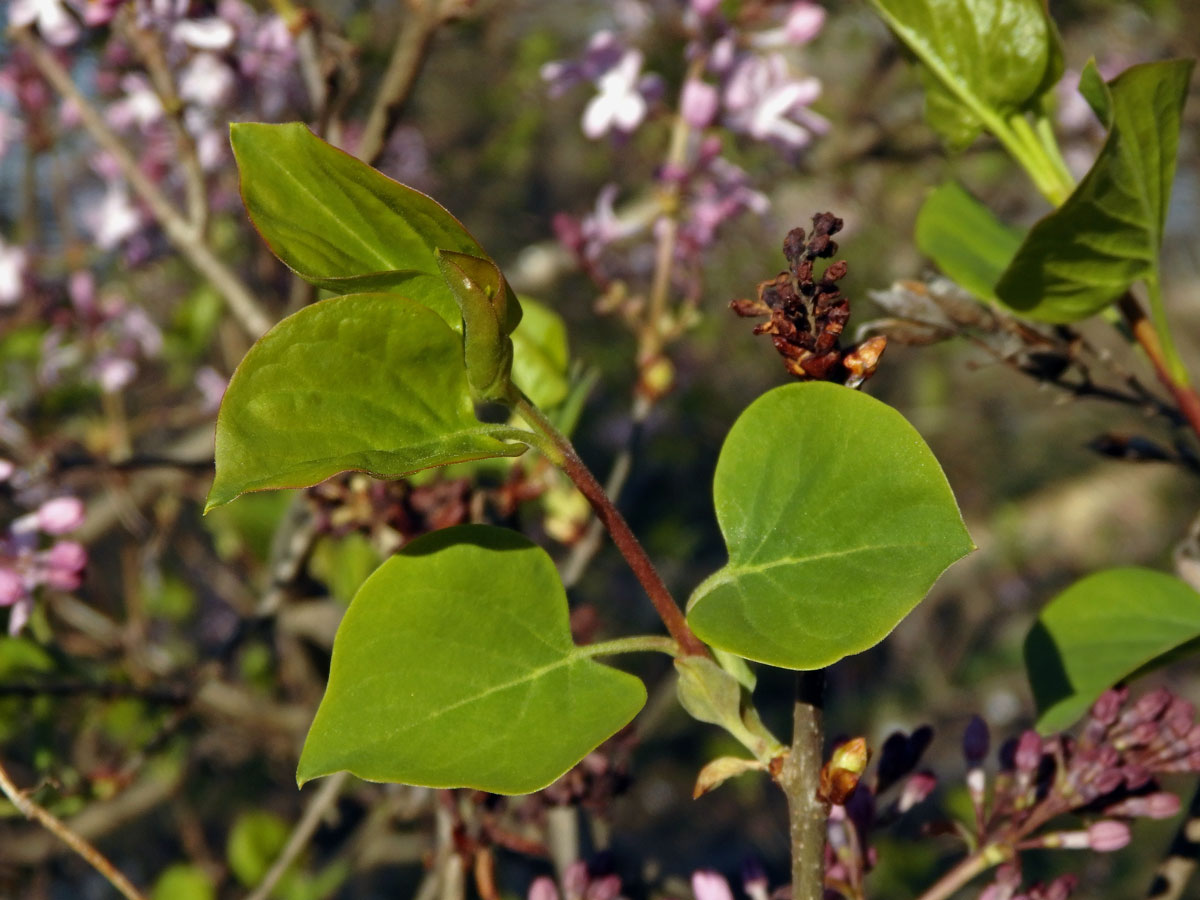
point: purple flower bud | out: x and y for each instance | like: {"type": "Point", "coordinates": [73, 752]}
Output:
{"type": "Point", "coordinates": [6, 469]}
{"type": "Point", "coordinates": [976, 741]}
{"type": "Point", "coordinates": [60, 515]}
{"type": "Point", "coordinates": [63, 579]}
{"type": "Point", "coordinates": [698, 103]}
{"type": "Point", "coordinates": [607, 887]}
{"type": "Point", "coordinates": [1150, 706]}
{"type": "Point", "coordinates": [12, 587]}
{"type": "Point", "coordinates": [69, 556]}
{"type": "Point", "coordinates": [916, 789]}
{"type": "Point", "coordinates": [1159, 805]}
{"type": "Point", "coordinates": [1060, 888]}
{"type": "Point", "coordinates": [1108, 705]}
{"type": "Point", "coordinates": [1105, 782]}
{"type": "Point", "coordinates": [1108, 835]}
{"type": "Point", "coordinates": [754, 880]}
{"type": "Point", "coordinates": [575, 880]}
{"type": "Point", "coordinates": [1136, 776]}
{"type": "Point", "coordinates": [543, 888]}
{"type": "Point", "coordinates": [1028, 755]}
{"type": "Point", "coordinates": [1180, 716]}
{"type": "Point", "coordinates": [803, 22]}
{"type": "Point", "coordinates": [709, 885]}
{"type": "Point", "coordinates": [705, 8]}
{"type": "Point", "coordinates": [1006, 755]}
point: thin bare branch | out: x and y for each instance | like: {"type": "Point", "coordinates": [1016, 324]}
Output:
{"type": "Point", "coordinates": [182, 234]}
{"type": "Point", "coordinates": [56, 826]}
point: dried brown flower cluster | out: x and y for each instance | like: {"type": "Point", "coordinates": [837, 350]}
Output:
{"type": "Point", "coordinates": [808, 314]}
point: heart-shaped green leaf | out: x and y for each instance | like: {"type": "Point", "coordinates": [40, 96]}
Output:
{"type": "Point", "coordinates": [968, 243]}
{"type": "Point", "coordinates": [341, 225]}
{"type": "Point", "coordinates": [454, 667]}
{"type": "Point", "coordinates": [838, 520]}
{"type": "Point", "coordinates": [540, 355]}
{"type": "Point", "coordinates": [1103, 629]}
{"type": "Point", "coordinates": [366, 382]}
{"type": "Point", "coordinates": [1085, 254]}
{"type": "Point", "coordinates": [981, 60]}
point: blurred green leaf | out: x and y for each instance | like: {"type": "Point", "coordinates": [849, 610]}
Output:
{"type": "Point", "coordinates": [969, 244]}
{"type": "Point", "coordinates": [838, 520]}
{"type": "Point", "coordinates": [1107, 235]}
{"type": "Point", "coordinates": [20, 656]}
{"type": "Point", "coordinates": [979, 59]}
{"type": "Point", "coordinates": [341, 225]}
{"type": "Point", "coordinates": [454, 667]}
{"type": "Point", "coordinates": [366, 382]}
{"type": "Point", "coordinates": [344, 564]}
{"type": "Point", "coordinates": [184, 882]}
{"type": "Point", "coordinates": [254, 843]}
{"type": "Point", "coordinates": [540, 354]}
{"type": "Point", "coordinates": [248, 527]}
{"type": "Point", "coordinates": [1101, 630]}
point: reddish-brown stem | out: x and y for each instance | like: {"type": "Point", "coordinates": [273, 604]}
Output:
{"type": "Point", "coordinates": [1143, 331]}
{"type": "Point", "coordinates": [565, 457]}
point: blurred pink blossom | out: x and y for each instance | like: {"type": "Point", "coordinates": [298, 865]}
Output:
{"type": "Point", "coordinates": [60, 515]}
{"type": "Point", "coordinates": [698, 103]}
{"type": "Point", "coordinates": [709, 885]}
{"type": "Point", "coordinates": [13, 261]}
{"type": "Point", "coordinates": [24, 567]}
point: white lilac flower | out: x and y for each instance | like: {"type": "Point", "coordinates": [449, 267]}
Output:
{"type": "Point", "coordinates": [210, 33]}
{"type": "Point", "coordinates": [114, 218]}
{"type": "Point", "coordinates": [619, 105]}
{"type": "Point", "coordinates": [138, 107]}
{"type": "Point", "coordinates": [206, 81]}
{"type": "Point", "coordinates": [54, 22]}
{"type": "Point", "coordinates": [763, 100]}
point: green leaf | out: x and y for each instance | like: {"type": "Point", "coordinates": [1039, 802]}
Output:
{"type": "Point", "coordinates": [255, 841]}
{"type": "Point", "coordinates": [981, 60]}
{"type": "Point", "coordinates": [184, 882]}
{"type": "Point", "coordinates": [969, 244]}
{"type": "Point", "coordinates": [1094, 90]}
{"type": "Point", "coordinates": [366, 382]}
{"type": "Point", "coordinates": [1107, 235]}
{"type": "Point", "coordinates": [488, 318]}
{"type": "Point", "coordinates": [838, 520]}
{"type": "Point", "coordinates": [540, 355]}
{"type": "Point", "coordinates": [454, 667]}
{"type": "Point", "coordinates": [1100, 630]}
{"type": "Point", "coordinates": [341, 225]}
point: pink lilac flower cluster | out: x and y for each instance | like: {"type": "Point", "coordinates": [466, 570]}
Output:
{"type": "Point", "coordinates": [101, 335]}
{"type": "Point", "coordinates": [32, 556]}
{"type": "Point", "coordinates": [227, 62]}
{"type": "Point", "coordinates": [1107, 776]}
{"type": "Point", "coordinates": [579, 884]}
{"type": "Point", "coordinates": [741, 80]}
